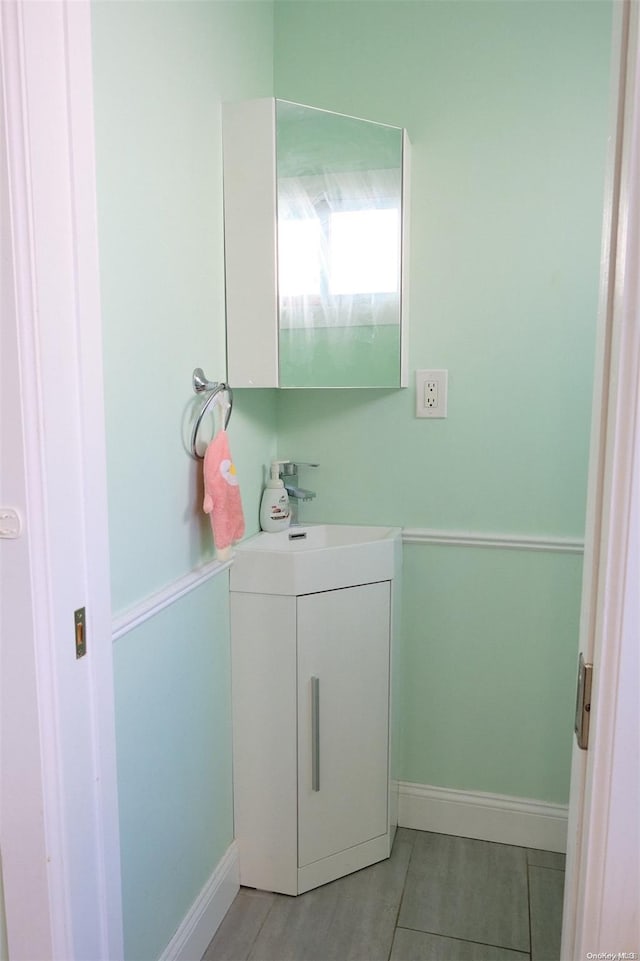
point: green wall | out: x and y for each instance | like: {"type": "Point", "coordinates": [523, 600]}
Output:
{"type": "Point", "coordinates": [161, 72]}
{"type": "Point", "coordinates": [506, 108]}
{"type": "Point", "coordinates": [505, 104]}
{"type": "Point", "coordinates": [174, 762]}
{"type": "Point", "coordinates": [490, 650]}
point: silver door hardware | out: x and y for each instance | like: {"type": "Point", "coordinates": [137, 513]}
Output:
{"type": "Point", "coordinates": [315, 733]}
{"type": "Point", "coordinates": [583, 703]}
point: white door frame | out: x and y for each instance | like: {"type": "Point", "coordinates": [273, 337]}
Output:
{"type": "Point", "coordinates": [58, 798]}
{"type": "Point", "coordinates": [601, 908]}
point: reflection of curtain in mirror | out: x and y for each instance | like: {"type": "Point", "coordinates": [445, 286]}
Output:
{"type": "Point", "coordinates": [338, 272]}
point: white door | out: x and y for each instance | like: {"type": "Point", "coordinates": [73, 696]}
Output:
{"type": "Point", "coordinates": [343, 718]}
{"type": "Point", "coordinates": [602, 891]}
{"type": "Point", "coordinates": [22, 824]}
{"type": "Point", "coordinates": [58, 807]}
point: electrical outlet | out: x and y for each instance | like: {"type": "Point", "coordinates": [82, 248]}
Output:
{"type": "Point", "coordinates": [430, 399]}
{"type": "Point", "coordinates": [431, 393]}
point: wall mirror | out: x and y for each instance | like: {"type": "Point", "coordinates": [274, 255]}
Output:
{"type": "Point", "coordinates": [315, 224]}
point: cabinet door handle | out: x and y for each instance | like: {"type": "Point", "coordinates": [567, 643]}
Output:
{"type": "Point", "coordinates": [315, 733]}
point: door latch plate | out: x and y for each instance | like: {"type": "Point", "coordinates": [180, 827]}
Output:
{"type": "Point", "coordinates": [79, 617]}
{"type": "Point", "coordinates": [583, 703]}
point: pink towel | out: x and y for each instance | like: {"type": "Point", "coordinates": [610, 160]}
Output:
{"type": "Point", "coordinates": [222, 495]}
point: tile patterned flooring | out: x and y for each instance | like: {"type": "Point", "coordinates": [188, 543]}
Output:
{"type": "Point", "coordinates": [437, 898]}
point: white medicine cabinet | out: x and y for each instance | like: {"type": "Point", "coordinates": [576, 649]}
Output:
{"type": "Point", "coordinates": [316, 227]}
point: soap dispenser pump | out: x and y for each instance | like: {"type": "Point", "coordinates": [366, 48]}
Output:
{"type": "Point", "coordinates": [274, 507]}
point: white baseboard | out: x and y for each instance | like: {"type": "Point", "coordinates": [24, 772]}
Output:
{"type": "Point", "coordinates": [488, 817]}
{"type": "Point", "coordinates": [206, 913]}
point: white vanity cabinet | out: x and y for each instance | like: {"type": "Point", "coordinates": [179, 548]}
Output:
{"type": "Point", "coordinates": [311, 733]}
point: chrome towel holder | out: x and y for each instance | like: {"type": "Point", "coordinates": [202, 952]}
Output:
{"type": "Point", "coordinates": [201, 386]}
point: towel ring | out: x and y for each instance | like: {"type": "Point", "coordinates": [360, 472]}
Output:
{"type": "Point", "coordinates": [202, 385]}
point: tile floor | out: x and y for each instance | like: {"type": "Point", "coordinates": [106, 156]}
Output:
{"type": "Point", "coordinates": [437, 898]}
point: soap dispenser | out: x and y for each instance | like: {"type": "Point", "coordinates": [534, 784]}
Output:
{"type": "Point", "coordinates": [274, 507]}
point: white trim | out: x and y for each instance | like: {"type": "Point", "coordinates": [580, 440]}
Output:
{"type": "Point", "coordinates": [155, 603]}
{"type": "Point", "coordinates": [488, 817]}
{"type": "Point", "coordinates": [92, 456]}
{"type": "Point", "coordinates": [405, 311]}
{"type": "Point", "coordinates": [152, 605]}
{"type": "Point", "coordinates": [207, 912]}
{"type": "Point", "coordinates": [603, 867]}
{"type": "Point", "coordinates": [25, 828]}
{"type": "Point", "coordinates": [64, 853]}
{"type": "Point", "coordinates": [521, 542]}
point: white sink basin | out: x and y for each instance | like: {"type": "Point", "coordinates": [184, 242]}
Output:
{"type": "Point", "coordinates": [315, 557]}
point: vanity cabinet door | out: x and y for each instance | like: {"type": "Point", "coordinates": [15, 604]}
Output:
{"type": "Point", "coordinates": [343, 680]}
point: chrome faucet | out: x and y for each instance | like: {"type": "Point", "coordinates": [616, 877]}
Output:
{"type": "Point", "coordinates": [288, 471]}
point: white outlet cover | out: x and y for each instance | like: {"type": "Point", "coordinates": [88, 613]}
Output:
{"type": "Point", "coordinates": [439, 379]}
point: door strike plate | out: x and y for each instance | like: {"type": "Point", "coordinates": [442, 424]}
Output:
{"type": "Point", "coordinates": [80, 632]}
{"type": "Point", "coordinates": [583, 703]}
